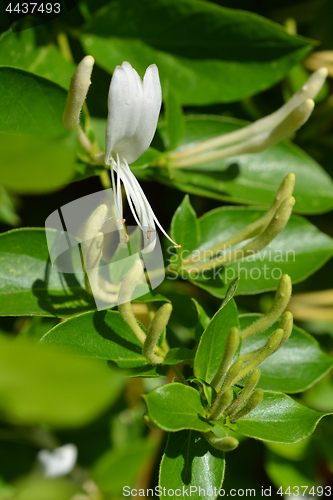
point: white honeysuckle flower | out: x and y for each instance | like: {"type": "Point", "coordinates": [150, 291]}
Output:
{"type": "Point", "coordinates": [134, 106]}
{"type": "Point", "coordinates": [58, 462]}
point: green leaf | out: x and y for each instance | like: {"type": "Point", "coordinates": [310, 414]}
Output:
{"type": "Point", "coordinates": [174, 119]}
{"type": "Point", "coordinates": [291, 474]}
{"type": "Point", "coordinates": [299, 250]}
{"type": "Point", "coordinates": [30, 104]}
{"type": "Point", "coordinates": [185, 228]}
{"type": "Point", "coordinates": [29, 50]}
{"type": "Point", "coordinates": [295, 367]}
{"type": "Point", "coordinates": [211, 346]}
{"type": "Point", "coordinates": [39, 385]}
{"type": "Point", "coordinates": [190, 463]}
{"type": "Point", "coordinates": [30, 286]}
{"type": "Point", "coordinates": [279, 419]}
{"type": "Point", "coordinates": [33, 164]}
{"type": "Point", "coordinates": [36, 152]}
{"type": "Point", "coordinates": [98, 334]}
{"type": "Point", "coordinates": [121, 466]}
{"type": "Point", "coordinates": [174, 407]}
{"type": "Point", "coordinates": [178, 355]}
{"type": "Point", "coordinates": [249, 178]}
{"type": "Point", "coordinates": [8, 214]}
{"type": "Point", "coordinates": [198, 69]}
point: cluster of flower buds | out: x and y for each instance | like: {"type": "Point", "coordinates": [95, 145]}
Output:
{"type": "Point", "coordinates": [230, 372]}
{"type": "Point", "coordinates": [259, 135]}
{"type": "Point", "coordinates": [262, 232]}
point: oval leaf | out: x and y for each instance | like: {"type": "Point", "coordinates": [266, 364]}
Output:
{"type": "Point", "coordinates": [295, 367]}
{"type": "Point", "coordinates": [279, 419]}
{"type": "Point", "coordinates": [175, 407]}
{"type": "Point", "coordinates": [39, 385]}
{"type": "Point", "coordinates": [186, 456]}
{"type": "Point", "coordinates": [197, 69]}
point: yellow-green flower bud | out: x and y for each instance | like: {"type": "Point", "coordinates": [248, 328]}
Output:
{"type": "Point", "coordinates": [253, 401]}
{"type": "Point", "coordinates": [156, 327]}
{"type": "Point", "coordinates": [77, 92]}
{"type": "Point", "coordinates": [230, 348]}
{"type": "Point", "coordinates": [249, 387]}
{"type": "Point", "coordinates": [263, 353]}
{"type": "Point", "coordinates": [221, 403]}
{"type": "Point", "coordinates": [280, 302]}
{"type": "Point", "coordinates": [227, 443]}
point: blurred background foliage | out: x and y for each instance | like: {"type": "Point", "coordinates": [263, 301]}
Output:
{"type": "Point", "coordinates": [212, 62]}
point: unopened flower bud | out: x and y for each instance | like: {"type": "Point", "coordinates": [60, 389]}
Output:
{"type": "Point", "coordinates": [230, 349]}
{"type": "Point", "coordinates": [249, 387]}
{"type": "Point", "coordinates": [227, 443]}
{"type": "Point", "coordinates": [156, 327]}
{"type": "Point", "coordinates": [280, 302]}
{"type": "Point", "coordinates": [77, 92]}
{"type": "Point", "coordinates": [253, 401]}
{"type": "Point", "coordinates": [221, 403]}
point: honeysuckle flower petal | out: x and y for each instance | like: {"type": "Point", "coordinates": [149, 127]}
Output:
{"type": "Point", "coordinates": [134, 107]}
{"type": "Point", "coordinates": [58, 462]}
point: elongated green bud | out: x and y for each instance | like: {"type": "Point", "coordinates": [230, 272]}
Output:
{"type": "Point", "coordinates": [127, 287]}
{"type": "Point", "coordinates": [286, 323]}
{"type": "Point", "coordinates": [77, 92]}
{"type": "Point", "coordinates": [227, 443]}
{"type": "Point", "coordinates": [249, 387]}
{"type": "Point", "coordinates": [221, 403]}
{"type": "Point", "coordinates": [263, 353]}
{"type": "Point", "coordinates": [280, 302]}
{"type": "Point", "coordinates": [285, 190]}
{"type": "Point", "coordinates": [156, 327]}
{"type": "Point", "coordinates": [253, 401]}
{"type": "Point", "coordinates": [277, 223]}
{"type": "Point", "coordinates": [231, 375]}
{"type": "Point", "coordinates": [230, 348]}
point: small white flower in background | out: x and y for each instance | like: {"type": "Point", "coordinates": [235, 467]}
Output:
{"type": "Point", "coordinates": [134, 106]}
{"type": "Point", "coordinates": [58, 462]}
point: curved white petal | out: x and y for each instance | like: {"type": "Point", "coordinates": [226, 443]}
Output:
{"type": "Point", "coordinates": [134, 108]}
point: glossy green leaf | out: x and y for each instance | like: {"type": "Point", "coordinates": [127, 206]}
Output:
{"type": "Point", "coordinates": [174, 119]}
{"type": "Point", "coordinates": [29, 50]}
{"type": "Point", "coordinates": [8, 213]}
{"type": "Point", "coordinates": [174, 407]}
{"type": "Point", "coordinates": [178, 355]}
{"type": "Point", "coordinates": [295, 367]}
{"type": "Point", "coordinates": [30, 104]}
{"type": "Point", "coordinates": [249, 178]}
{"type": "Point", "coordinates": [39, 385]}
{"type": "Point", "coordinates": [30, 285]}
{"type": "Point", "coordinates": [279, 419]}
{"type": "Point", "coordinates": [31, 164]}
{"type": "Point", "coordinates": [198, 69]}
{"type": "Point", "coordinates": [299, 250]}
{"type": "Point", "coordinates": [185, 228]}
{"type": "Point", "coordinates": [98, 334]}
{"type": "Point", "coordinates": [211, 346]}
{"type": "Point", "coordinates": [189, 463]}
{"type": "Point", "coordinates": [120, 467]}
